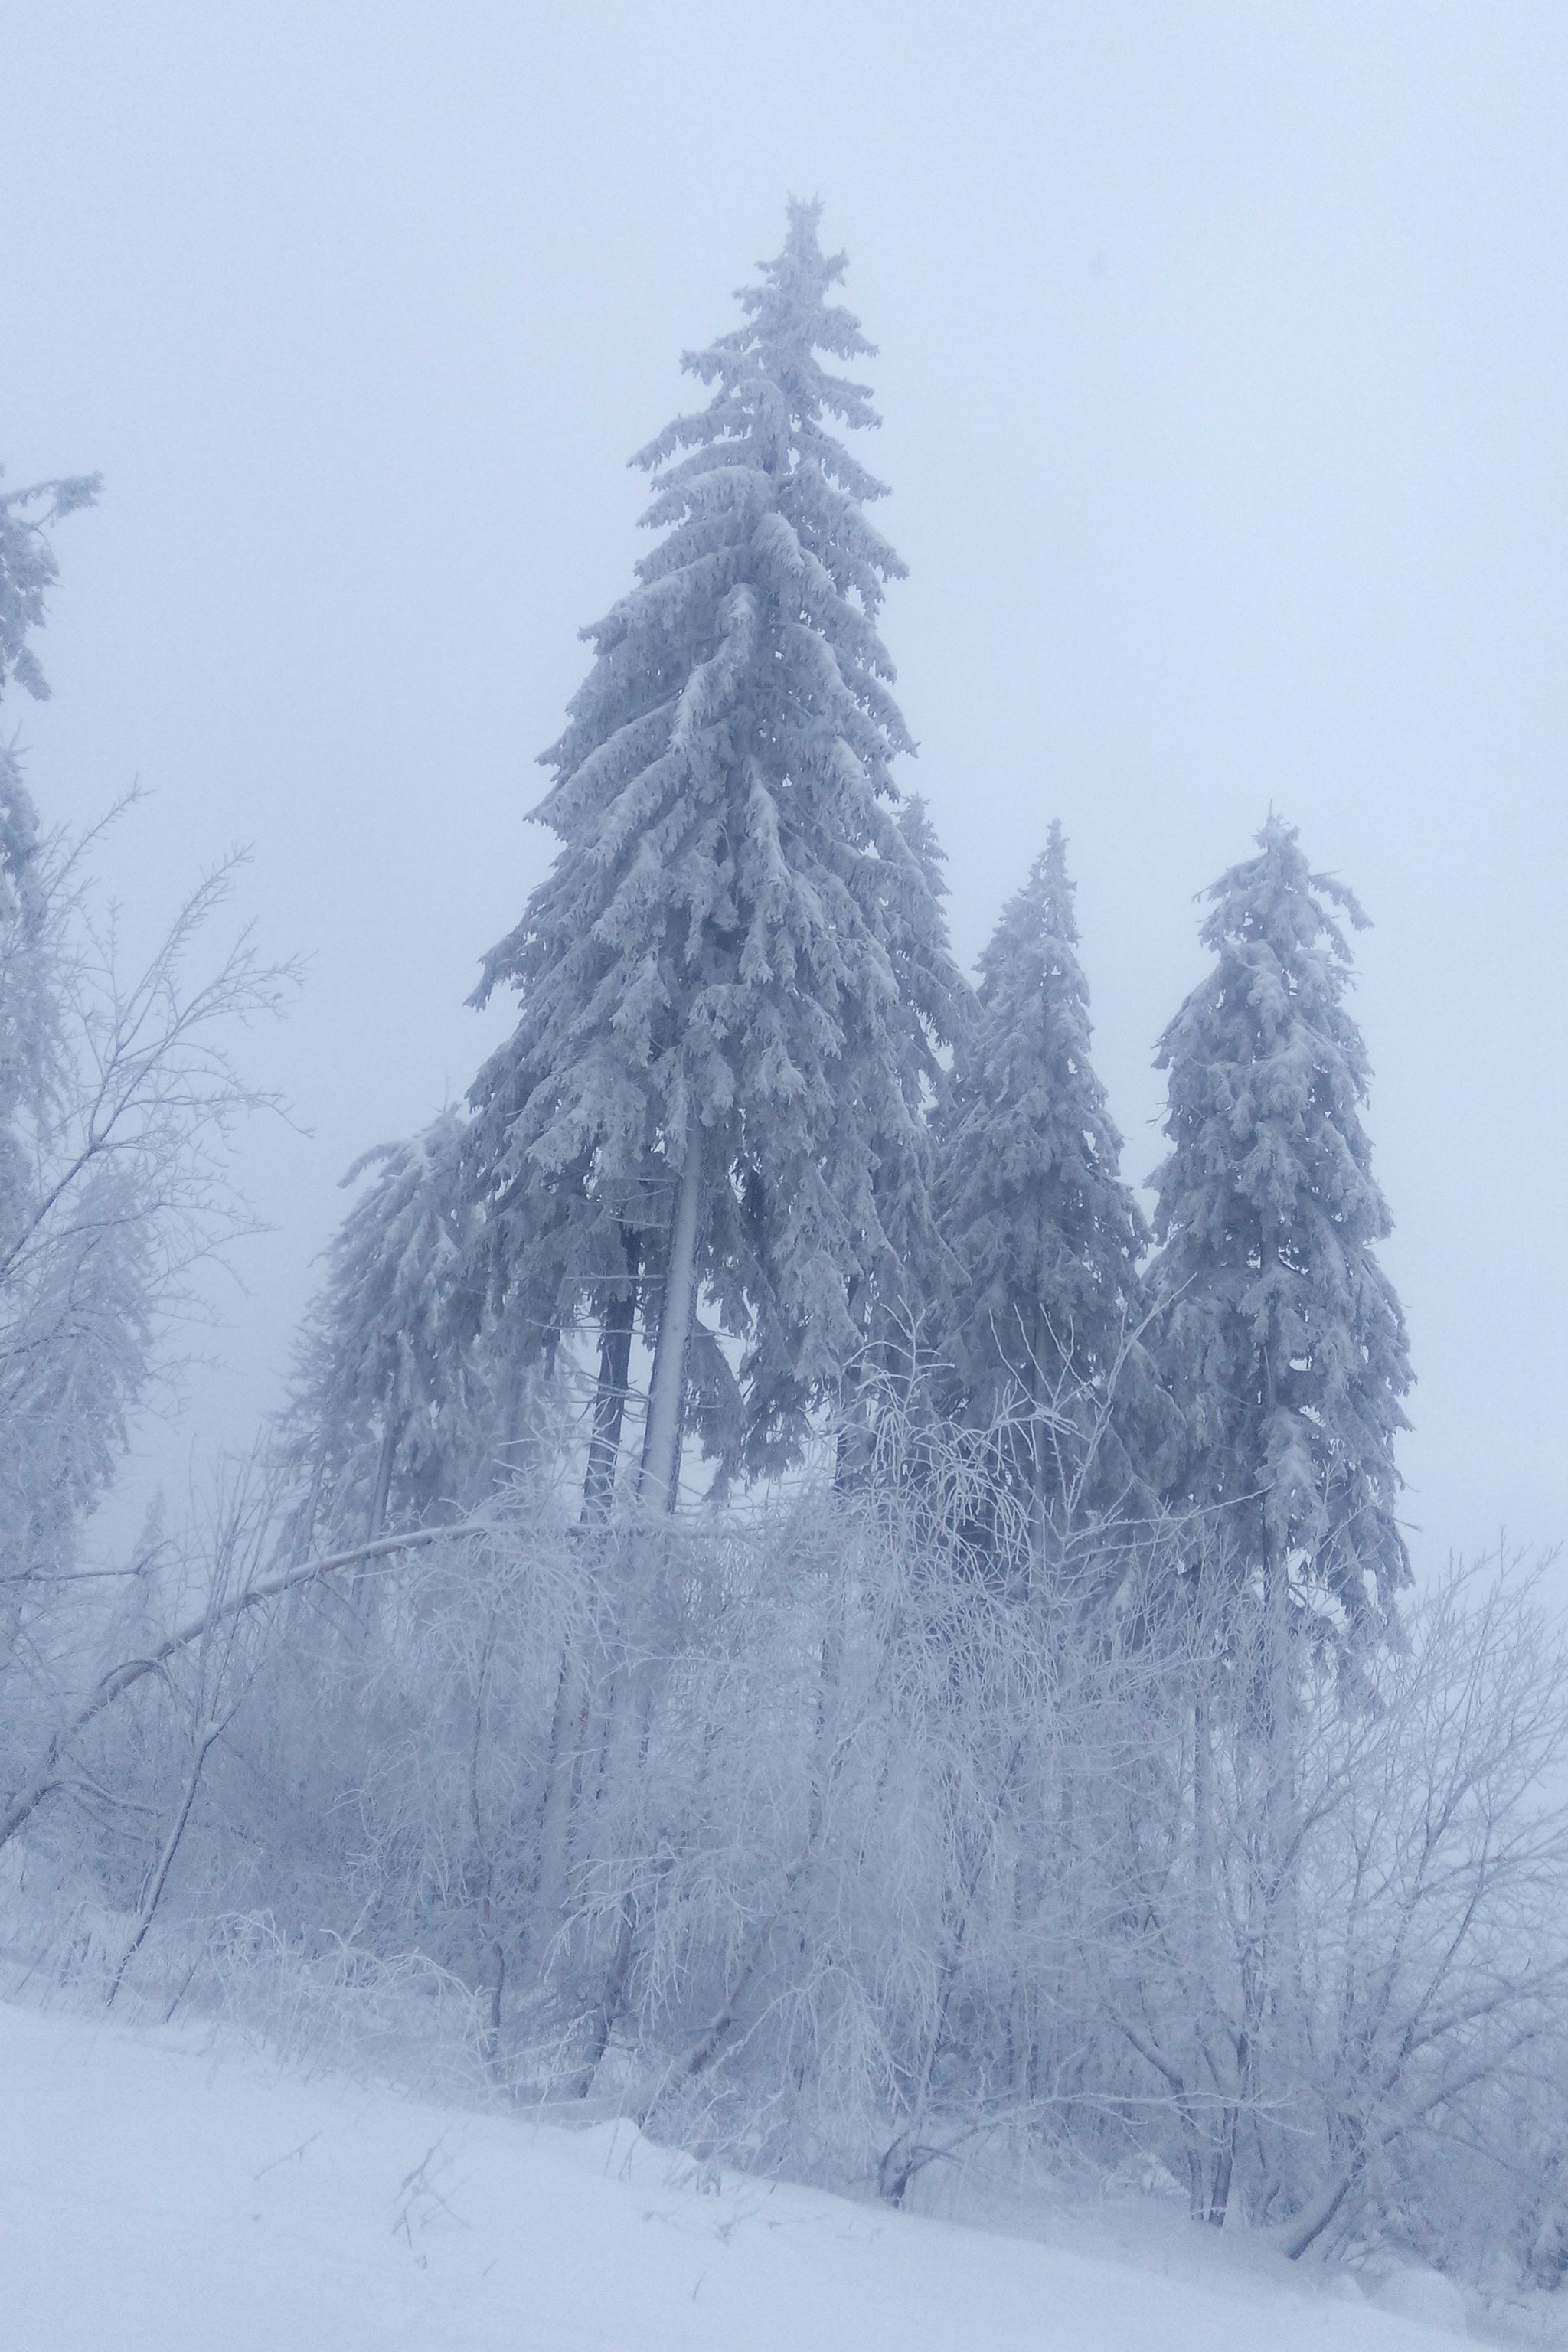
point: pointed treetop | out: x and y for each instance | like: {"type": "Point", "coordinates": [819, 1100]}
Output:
{"type": "Point", "coordinates": [791, 320]}
{"type": "Point", "coordinates": [769, 386]}
{"type": "Point", "coordinates": [761, 441]}
{"type": "Point", "coordinates": [1031, 960]}
{"type": "Point", "coordinates": [1274, 998]}
{"type": "Point", "coordinates": [1031, 1099]}
{"type": "Point", "coordinates": [1277, 898]}
{"type": "Point", "coordinates": [1055, 856]}
{"type": "Point", "coordinates": [1035, 1207]}
{"type": "Point", "coordinates": [1043, 909]}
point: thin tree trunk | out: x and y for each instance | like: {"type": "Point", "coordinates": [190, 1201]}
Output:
{"type": "Point", "coordinates": [623, 1761]}
{"type": "Point", "coordinates": [1281, 1990]}
{"type": "Point", "coordinates": [609, 1407]}
{"type": "Point", "coordinates": [1314, 2219]}
{"type": "Point", "coordinates": [490, 2040]}
{"type": "Point", "coordinates": [824, 1771]}
{"type": "Point", "coordinates": [661, 1444]}
{"type": "Point", "coordinates": [606, 2009]}
{"type": "Point", "coordinates": [383, 1469]}
{"type": "Point", "coordinates": [1224, 2167]}
{"type": "Point", "coordinates": [568, 1730]}
{"type": "Point", "coordinates": [610, 1401]}
{"type": "Point", "coordinates": [205, 1739]}
{"type": "Point", "coordinates": [1037, 1460]}
{"type": "Point", "coordinates": [1212, 2195]}
{"type": "Point", "coordinates": [702, 2050]}
{"type": "Point", "coordinates": [631, 1703]}
{"type": "Point", "coordinates": [906, 2157]}
{"type": "Point", "coordinates": [376, 1518]}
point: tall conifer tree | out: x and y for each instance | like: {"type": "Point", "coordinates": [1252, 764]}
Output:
{"type": "Point", "coordinates": [1047, 1237]}
{"type": "Point", "coordinates": [733, 978]}
{"type": "Point", "coordinates": [1282, 1337]}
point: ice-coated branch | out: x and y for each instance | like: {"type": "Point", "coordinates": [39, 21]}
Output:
{"type": "Point", "coordinates": [114, 1684]}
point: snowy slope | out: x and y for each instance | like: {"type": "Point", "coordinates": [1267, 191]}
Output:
{"type": "Point", "coordinates": [157, 2192]}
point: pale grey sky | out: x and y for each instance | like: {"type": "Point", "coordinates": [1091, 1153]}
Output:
{"type": "Point", "coordinates": [1222, 364]}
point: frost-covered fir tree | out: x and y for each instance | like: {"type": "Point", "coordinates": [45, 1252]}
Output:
{"type": "Point", "coordinates": [1281, 1336]}
{"type": "Point", "coordinates": [410, 1395]}
{"type": "Point", "coordinates": [1047, 1327]}
{"type": "Point", "coordinates": [732, 980]}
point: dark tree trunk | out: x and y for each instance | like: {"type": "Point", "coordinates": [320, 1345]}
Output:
{"type": "Point", "coordinates": [615, 1375]}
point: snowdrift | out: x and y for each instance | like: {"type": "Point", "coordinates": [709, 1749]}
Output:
{"type": "Point", "coordinates": [168, 2190]}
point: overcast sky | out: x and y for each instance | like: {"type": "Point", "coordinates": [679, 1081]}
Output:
{"type": "Point", "coordinates": [1222, 364]}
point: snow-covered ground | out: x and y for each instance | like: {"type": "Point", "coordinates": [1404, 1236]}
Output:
{"type": "Point", "coordinates": [165, 2191]}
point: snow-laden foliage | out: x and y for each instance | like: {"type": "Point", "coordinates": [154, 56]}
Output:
{"type": "Point", "coordinates": [412, 1393]}
{"type": "Point", "coordinates": [28, 569]}
{"type": "Point", "coordinates": [738, 952]}
{"type": "Point", "coordinates": [1283, 1340]}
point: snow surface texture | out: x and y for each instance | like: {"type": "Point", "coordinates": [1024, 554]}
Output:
{"type": "Point", "coordinates": [159, 2189]}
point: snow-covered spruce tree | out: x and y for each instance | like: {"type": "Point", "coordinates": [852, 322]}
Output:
{"type": "Point", "coordinates": [1047, 1329]}
{"type": "Point", "coordinates": [1283, 1343]}
{"type": "Point", "coordinates": [733, 978]}
{"type": "Point", "coordinates": [1281, 1336]}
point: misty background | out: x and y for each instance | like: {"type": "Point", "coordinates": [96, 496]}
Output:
{"type": "Point", "coordinates": [1222, 364]}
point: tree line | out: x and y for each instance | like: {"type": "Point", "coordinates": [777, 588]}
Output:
{"type": "Point", "coordinates": [813, 1620]}
{"type": "Point", "coordinates": [754, 1117]}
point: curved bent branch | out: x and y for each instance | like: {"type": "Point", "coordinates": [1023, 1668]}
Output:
{"type": "Point", "coordinates": [124, 1676]}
